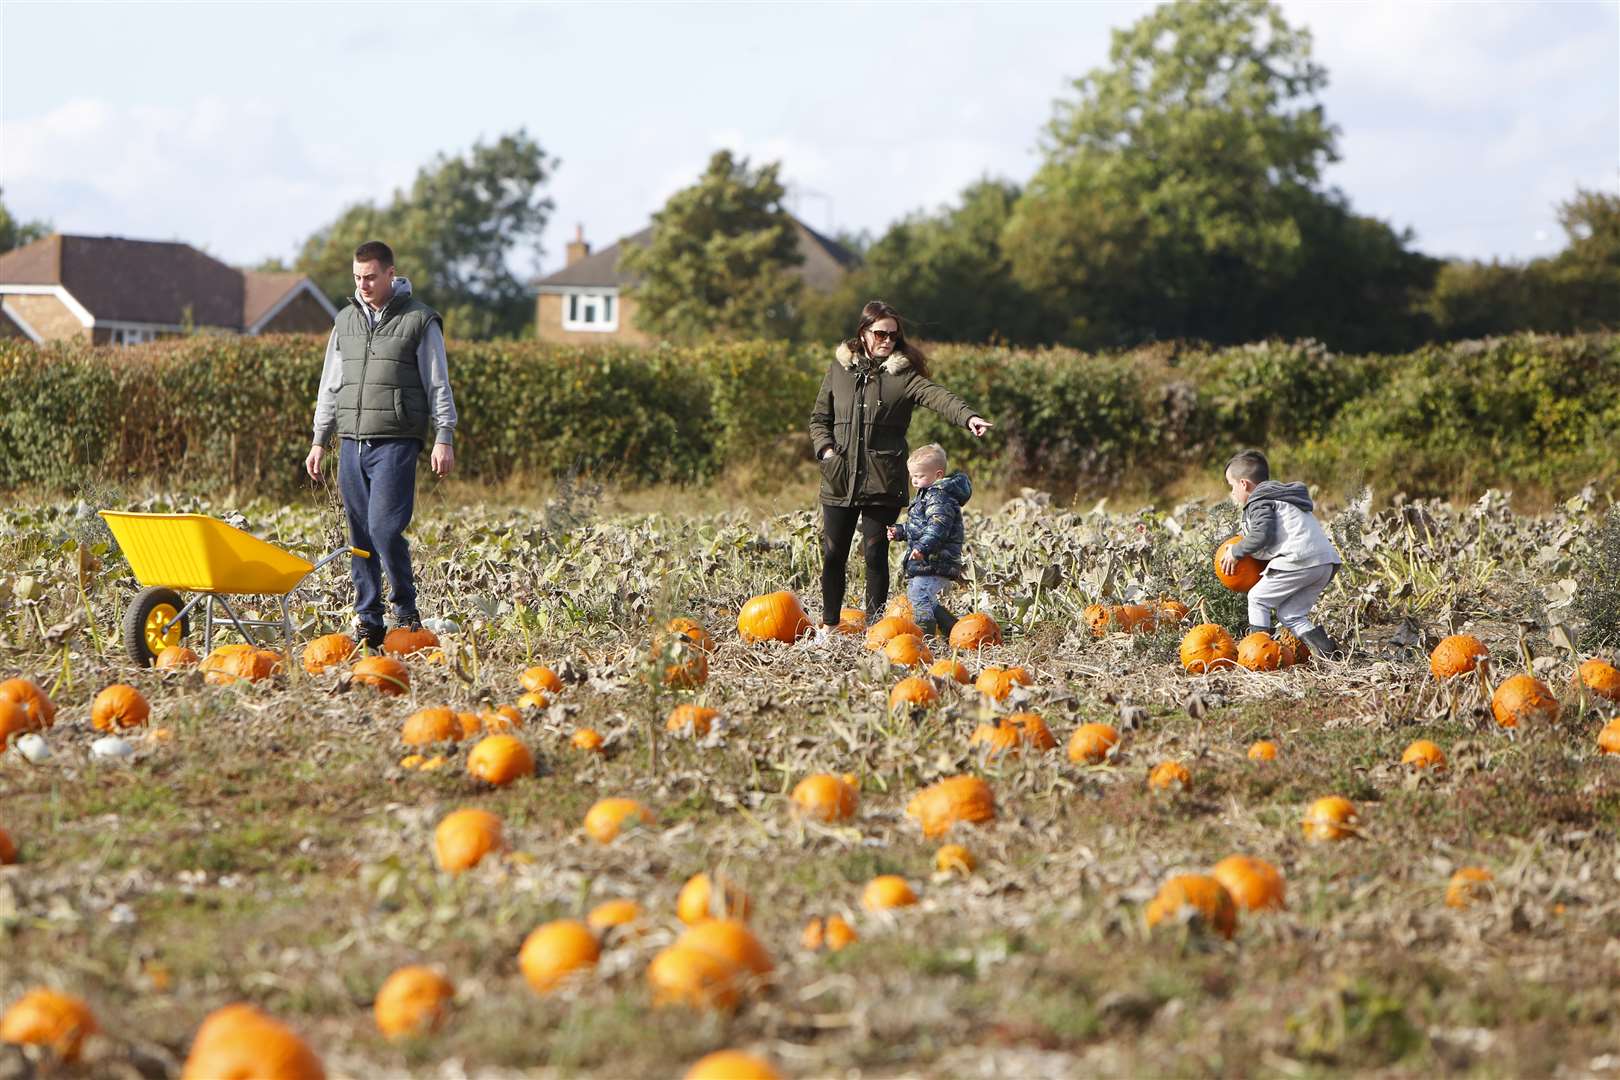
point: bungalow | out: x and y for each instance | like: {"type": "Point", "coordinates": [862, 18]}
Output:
{"type": "Point", "coordinates": [111, 291]}
{"type": "Point", "coordinates": [585, 301]}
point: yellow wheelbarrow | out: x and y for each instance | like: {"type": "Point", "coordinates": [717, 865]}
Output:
{"type": "Point", "coordinates": [196, 553]}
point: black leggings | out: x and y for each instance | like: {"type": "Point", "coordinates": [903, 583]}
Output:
{"type": "Point", "coordinates": [838, 529]}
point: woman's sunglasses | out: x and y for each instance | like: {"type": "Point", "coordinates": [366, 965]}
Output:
{"type": "Point", "coordinates": [885, 335]}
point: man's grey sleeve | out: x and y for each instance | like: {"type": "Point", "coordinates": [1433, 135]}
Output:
{"type": "Point", "coordinates": [435, 371]}
{"type": "Point", "coordinates": [326, 394]}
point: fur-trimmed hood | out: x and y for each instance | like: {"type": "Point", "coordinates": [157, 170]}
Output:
{"type": "Point", "coordinates": [896, 364]}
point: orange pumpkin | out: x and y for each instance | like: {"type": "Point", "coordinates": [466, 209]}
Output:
{"type": "Point", "coordinates": [1255, 884]}
{"type": "Point", "coordinates": [1294, 651]}
{"type": "Point", "coordinates": [975, 631]}
{"type": "Point", "coordinates": [913, 692]}
{"type": "Point", "coordinates": [587, 739]}
{"type": "Point", "coordinates": [691, 630]}
{"type": "Point", "coordinates": [833, 933]}
{"type": "Point", "coordinates": [1033, 730]}
{"type": "Point", "coordinates": [328, 650]}
{"type": "Point", "coordinates": [1608, 739]}
{"type": "Point", "coordinates": [1259, 652]}
{"type": "Point", "coordinates": [51, 1019]}
{"type": "Point", "coordinates": [879, 633]}
{"type": "Point", "coordinates": [383, 674]}
{"type": "Point", "coordinates": [694, 718]}
{"type": "Point", "coordinates": [1093, 744]}
{"type": "Point", "coordinates": [13, 721]}
{"type": "Point", "coordinates": [1467, 885]}
{"type": "Point", "coordinates": [731, 1065]}
{"type": "Point", "coordinates": [403, 641]}
{"type": "Point", "coordinates": [730, 941]}
{"type": "Point", "coordinates": [540, 679]}
{"type": "Point", "coordinates": [687, 666]}
{"type": "Point", "coordinates": [954, 859]}
{"type": "Point", "coordinates": [119, 706]}
{"type": "Point", "coordinates": [907, 650]}
{"type": "Point", "coordinates": [1331, 818]}
{"type": "Point", "coordinates": [776, 616]}
{"type": "Point", "coordinates": [609, 817]}
{"type": "Point", "coordinates": [1199, 894]}
{"type": "Point", "coordinates": [900, 605]}
{"type": "Point", "coordinates": [996, 738]}
{"type": "Point", "coordinates": [1524, 699]}
{"type": "Point", "coordinates": [1169, 774]}
{"type": "Point", "coordinates": [241, 1041]}
{"type": "Point", "coordinates": [950, 669]}
{"type": "Point", "coordinates": [995, 683]}
{"type": "Point", "coordinates": [554, 951]}
{"type": "Point", "coordinates": [427, 726]}
{"type": "Point", "coordinates": [1602, 678]}
{"type": "Point", "coordinates": [961, 798]}
{"type": "Point", "coordinates": [851, 620]}
{"type": "Point", "coordinates": [1207, 647]}
{"type": "Point", "coordinates": [464, 837]}
{"type": "Point", "coordinates": [611, 914]}
{"type": "Point", "coordinates": [887, 891]}
{"type": "Point", "coordinates": [1169, 611]}
{"type": "Point", "coordinates": [691, 977]}
{"type": "Point", "coordinates": [240, 663]}
{"type": "Point", "coordinates": [1133, 618]}
{"type": "Point", "coordinates": [35, 703]}
{"type": "Point", "coordinates": [8, 849]}
{"type": "Point", "coordinates": [1263, 751]}
{"type": "Point", "coordinates": [1423, 754]}
{"type": "Point", "coordinates": [174, 658]}
{"type": "Point", "coordinates": [826, 797]}
{"type": "Point", "coordinates": [1456, 655]}
{"type": "Point", "coordinates": [499, 760]}
{"type": "Point", "coordinates": [534, 699]}
{"type": "Point", "coordinates": [412, 1001]}
{"type": "Point", "coordinates": [697, 901]}
{"type": "Point", "coordinates": [1246, 575]}
{"type": "Point", "coordinates": [1097, 617]}
{"type": "Point", "coordinates": [502, 718]}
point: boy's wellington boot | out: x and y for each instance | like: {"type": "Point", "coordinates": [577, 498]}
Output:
{"type": "Point", "coordinates": [1257, 630]}
{"type": "Point", "coordinates": [1322, 645]}
{"type": "Point", "coordinates": [944, 620]}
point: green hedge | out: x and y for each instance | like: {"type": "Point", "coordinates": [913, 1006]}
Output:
{"type": "Point", "coordinates": [207, 412]}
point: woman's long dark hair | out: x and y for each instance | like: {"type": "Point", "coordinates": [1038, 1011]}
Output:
{"type": "Point", "coordinates": [871, 312]}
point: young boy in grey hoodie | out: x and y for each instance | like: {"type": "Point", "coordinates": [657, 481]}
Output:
{"type": "Point", "coordinates": [1279, 529]}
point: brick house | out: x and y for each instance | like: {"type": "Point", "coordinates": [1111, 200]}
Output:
{"type": "Point", "coordinates": [585, 301]}
{"type": "Point", "coordinates": [112, 291]}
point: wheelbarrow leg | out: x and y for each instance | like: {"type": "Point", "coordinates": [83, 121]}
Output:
{"type": "Point", "coordinates": [208, 624]}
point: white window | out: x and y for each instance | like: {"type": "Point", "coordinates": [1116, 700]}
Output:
{"type": "Point", "coordinates": [598, 311]}
{"type": "Point", "coordinates": [132, 335]}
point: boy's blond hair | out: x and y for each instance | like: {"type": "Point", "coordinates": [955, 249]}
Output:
{"type": "Point", "coordinates": [933, 454]}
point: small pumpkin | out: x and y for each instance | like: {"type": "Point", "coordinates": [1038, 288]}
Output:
{"type": "Point", "coordinates": [1207, 647]}
{"type": "Point", "coordinates": [611, 914]}
{"type": "Point", "coordinates": [1255, 884]}
{"type": "Point", "coordinates": [534, 699]}
{"type": "Point", "coordinates": [729, 940]}
{"type": "Point", "coordinates": [403, 641]}
{"type": "Point", "coordinates": [887, 891]}
{"type": "Point", "coordinates": [609, 817]}
{"type": "Point", "coordinates": [554, 951]}
{"type": "Point", "coordinates": [328, 650]}
{"type": "Point", "coordinates": [588, 740]}
{"type": "Point", "coordinates": [501, 719]}
{"type": "Point", "coordinates": [907, 650]}
{"type": "Point", "coordinates": [975, 631]}
{"type": "Point", "coordinates": [691, 630]}
{"type": "Point", "coordinates": [1467, 885]}
{"type": "Point", "coordinates": [35, 703]}
{"type": "Point", "coordinates": [1097, 617]}
{"type": "Point", "coordinates": [1456, 655]}
{"type": "Point", "coordinates": [1169, 611]}
{"type": "Point", "coordinates": [1524, 699]}
{"type": "Point", "coordinates": [1294, 651]}
{"type": "Point", "coordinates": [8, 848]}
{"type": "Point", "coordinates": [833, 933]}
{"type": "Point", "coordinates": [1132, 618]}
{"type": "Point", "coordinates": [954, 859]}
{"type": "Point", "coordinates": [464, 837]}
{"type": "Point", "coordinates": [1033, 730]}
{"type": "Point", "coordinates": [776, 616]}
{"type": "Point", "coordinates": [499, 760]}
{"type": "Point", "coordinates": [1093, 744]}
{"type": "Point", "coordinates": [1423, 754]}
{"type": "Point", "coordinates": [952, 669]}
{"type": "Point", "coordinates": [960, 798]}
{"type": "Point", "coordinates": [1263, 750]}
{"type": "Point", "coordinates": [995, 738]}
{"type": "Point", "coordinates": [240, 1041]}
{"type": "Point", "coordinates": [117, 707]}
{"type": "Point", "coordinates": [912, 693]}
{"type": "Point", "coordinates": [383, 674]}
{"type": "Point", "coordinates": [1199, 894]}
{"type": "Point", "coordinates": [13, 722]}
{"type": "Point", "coordinates": [240, 663]}
{"type": "Point", "coordinates": [997, 683]}
{"type": "Point", "coordinates": [687, 661]}
{"type": "Point", "coordinates": [175, 658]}
{"type": "Point", "coordinates": [892, 626]}
{"type": "Point", "coordinates": [697, 719]}
{"type": "Point", "coordinates": [412, 1001]}
{"type": "Point", "coordinates": [826, 797]}
{"type": "Point", "coordinates": [51, 1019]}
{"type": "Point", "coordinates": [900, 605]}
{"type": "Point", "coordinates": [1168, 775]}
{"type": "Point", "coordinates": [1244, 576]}
{"type": "Point", "coordinates": [697, 900]}
{"type": "Point", "coordinates": [427, 726]}
{"type": "Point", "coordinates": [1259, 651]}
{"type": "Point", "coordinates": [851, 620]}
{"type": "Point", "coordinates": [540, 679]}
{"type": "Point", "coordinates": [731, 1065]}
{"type": "Point", "coordinates": [1331, 818]}
{"type": "Point", "coordinates": [1602, 678]}
{"type": "Point", "coordinates": [692, 977]}
{"type": "Point", "coordinates": [1608, 739]}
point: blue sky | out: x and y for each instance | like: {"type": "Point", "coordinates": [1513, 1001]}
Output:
{"type": "Point", "coordinates": [244, 127]}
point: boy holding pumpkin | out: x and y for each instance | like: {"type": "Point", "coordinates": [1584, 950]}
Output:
{"type": "Point", "coordinates": [934, 535]}
{"type": "Point", "coordinates": [1280, 530]}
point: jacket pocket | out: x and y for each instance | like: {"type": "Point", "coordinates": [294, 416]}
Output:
{"type": "Point", "coordinates": [886, 475]}
{"type": "Point", "coordinates": [399, 405]}
{"type": "Point", "coordinates": [834, 475]}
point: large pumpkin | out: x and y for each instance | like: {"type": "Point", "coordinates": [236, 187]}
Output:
{"type": "Point", "coordinates": [412, 1001]}
{"type": "Point", "coordinates": [1207, 647]}
{"type": "Point", "coordinates": [975, 631]}
{"type": "Point", "coordinates": [35, 703]}
{"type": "Point", "coordinates": [51, 1019]}
{"type": "Point", "coordinates": [776, 616]}
{"type": "Point", "coordinates": [1246, 575]}
{"type": "Point", "coordinates": [464, 837]}
{"type": "Point", "coordinates": [403, 641]}
{"type": "Point", "coordinates": [1093, 744]}
{"type": "Point", "coordinates": [1260, 652]}
{"type": "Point", "coordinates": [1198, 893]}
{"type": "Point", "coordinates": [960, 798]}
{"type": "Point", "coordinates": [1601, 678]}
{"type": "Point", "coordinates": [326, 651]}
{"type": "Point", "coordinates": [1456, 655]}
{"type": "Point", "coordinates": [912, 693]}
{"type": "Point", "coordinates": [690, 629]}
{"type": "Point", "coordinates": [241, 1041]}
{"type": "Point", "coordinates": [500, 759]}
{"type": "Point", "coordinates": [1524, 699]}
{"type": "Point", "coordinates": [826, 797]}
{"type": "Point", "coordinates": [240, 663]}
{"type": "Point", "coordinates": [887, 628]}
{"type": "Point", "coordinates": [1255, 884]}
{"type": "Point", "coordinates": [554, 951]}
{"type": "Point", "coordinates": [383, 673]}
{"type": "Point", "coordinates": [907, 650]}
{"type": "Point", "coordinates": [119, 706]}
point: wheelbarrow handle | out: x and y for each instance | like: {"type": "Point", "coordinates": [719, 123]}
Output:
{"type": "Point", "coordinates": [360, 552]}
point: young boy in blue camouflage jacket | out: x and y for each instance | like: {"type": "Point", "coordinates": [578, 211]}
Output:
{"type": "Point", "coordinates": [933, 536]}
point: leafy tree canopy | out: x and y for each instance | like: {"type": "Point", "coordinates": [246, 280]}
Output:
{"type": "Point", "coordinates": [14, 233]}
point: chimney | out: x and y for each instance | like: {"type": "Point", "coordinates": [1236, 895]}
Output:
{"type": "Point", "coordinates": [577, 247]}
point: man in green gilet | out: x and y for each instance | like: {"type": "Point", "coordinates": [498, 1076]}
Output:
{"type": "Point", "coordinates": [385, 389]}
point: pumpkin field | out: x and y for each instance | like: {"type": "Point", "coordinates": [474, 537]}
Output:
{"type": "Point", "coordinates": [624, 812]}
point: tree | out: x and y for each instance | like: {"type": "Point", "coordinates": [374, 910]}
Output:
{"type": "Point", "coordinates": [14, 233]}
{"type": "Point", "coordinates": [1180, 191]}
{"type": "Point", "coordinates": [453, 234]}
{"type": "Point", "coordinates": [722, 257]}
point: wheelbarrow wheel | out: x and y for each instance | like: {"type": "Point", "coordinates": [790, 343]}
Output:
{"type": "Point", "coordinates": [144, 636]}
